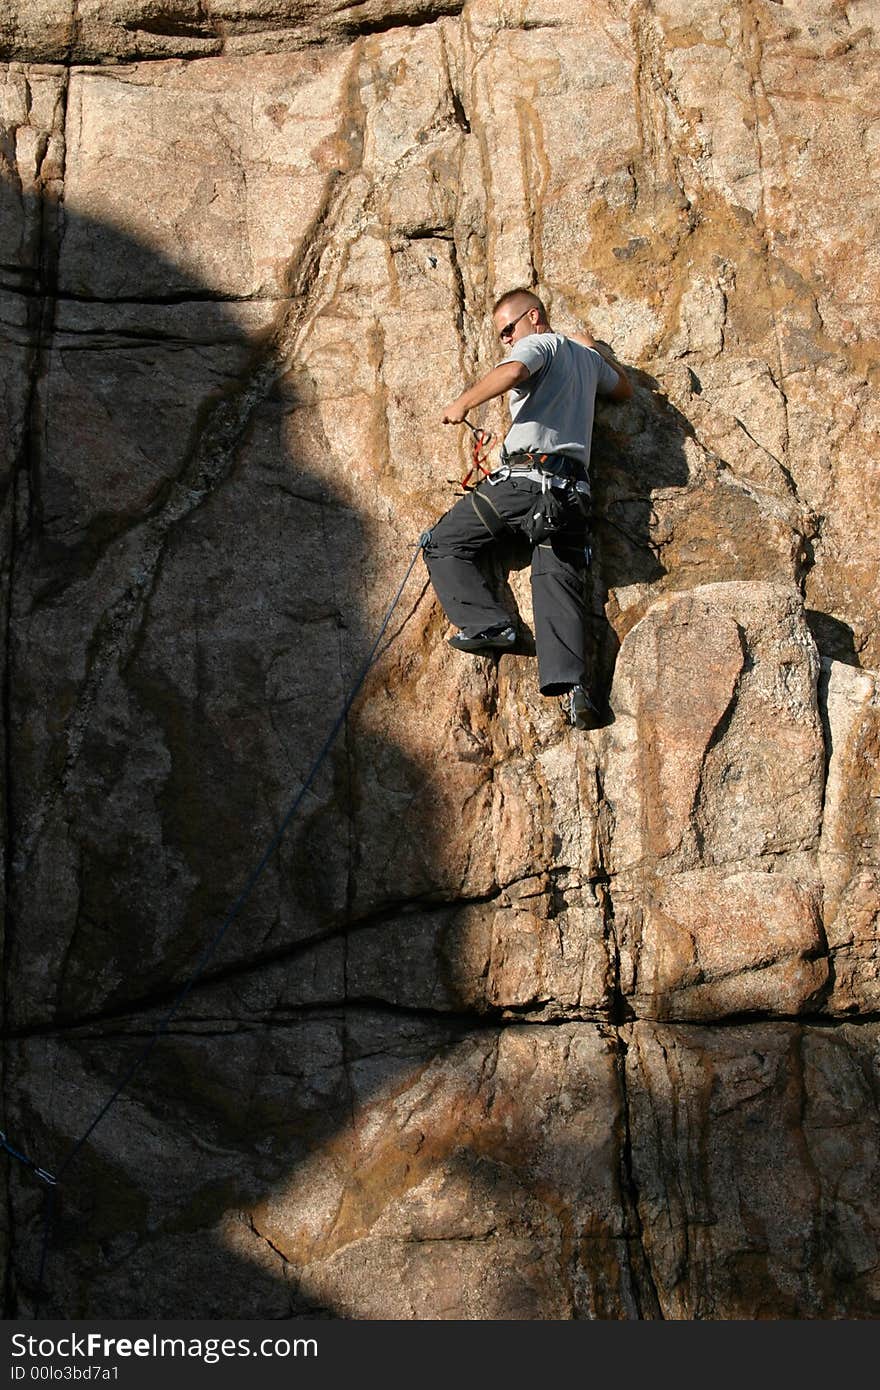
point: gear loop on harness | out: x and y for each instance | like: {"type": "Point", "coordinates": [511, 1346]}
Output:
{"type": "Point", "coordinates": [483, 440]}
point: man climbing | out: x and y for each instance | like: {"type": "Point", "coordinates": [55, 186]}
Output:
{"type": "Point", "coordinates": [541, 489]}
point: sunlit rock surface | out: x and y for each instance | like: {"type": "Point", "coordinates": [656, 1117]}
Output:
{"type": "Point", "coordinates": [516, 1022]}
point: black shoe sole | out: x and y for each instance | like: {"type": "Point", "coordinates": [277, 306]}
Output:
{"type": "Point", "coordinates": [476, 645]}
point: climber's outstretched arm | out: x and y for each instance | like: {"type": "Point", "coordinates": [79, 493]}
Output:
{"type": "Point", "coordinates": [501, 378]}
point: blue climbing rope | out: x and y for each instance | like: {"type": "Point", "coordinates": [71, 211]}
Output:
{"type": "Point", "coordinates": [41, 1173]}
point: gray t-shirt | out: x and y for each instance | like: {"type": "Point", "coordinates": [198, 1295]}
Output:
{"type": "Point", "coordinates": [553, 411]}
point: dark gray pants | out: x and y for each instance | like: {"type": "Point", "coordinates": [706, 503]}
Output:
{"type": "Point", "coordinates": [558, 570]}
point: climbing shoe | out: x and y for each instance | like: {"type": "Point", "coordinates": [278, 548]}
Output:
{"type": "Point", "coordinates": [501, 638]}
{"type": "Point", "coordinates": [582, 712]}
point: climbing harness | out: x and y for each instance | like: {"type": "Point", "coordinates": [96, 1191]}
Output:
{"type": "Point", "coordinates": [53, 1181]}
{"type": "Point", "coordinates": [550, 470]}
{"type": "Point", "coordinates": [560, 490]}
{"type": "Point", "coordinates": [556, 474]}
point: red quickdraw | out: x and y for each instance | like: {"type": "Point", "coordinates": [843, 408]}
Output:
{"type": "Point", "coordinates": [483, 440]}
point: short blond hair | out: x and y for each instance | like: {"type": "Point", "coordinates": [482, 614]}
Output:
{"type": "Point", "coordinates": [534, 301]}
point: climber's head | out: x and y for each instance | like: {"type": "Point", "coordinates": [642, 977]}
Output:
{"type": "Point", "coordinates": [517, 314]}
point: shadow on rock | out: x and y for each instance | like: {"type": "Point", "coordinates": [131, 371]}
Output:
{"type": "Point", "coordinates": [185, 616]}
{"type": "Point", "coordinates": [637, 449]}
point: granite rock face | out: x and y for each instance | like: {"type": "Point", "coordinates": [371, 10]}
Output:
{"type": "Point", "coordinates": [514, 1022]}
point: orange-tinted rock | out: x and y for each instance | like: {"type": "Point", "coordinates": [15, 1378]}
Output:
{"type": "Point", "coordinates": [716, 755]}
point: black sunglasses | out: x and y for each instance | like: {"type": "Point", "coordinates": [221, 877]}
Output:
{"type": "Point", "coordinates": [507, 331]}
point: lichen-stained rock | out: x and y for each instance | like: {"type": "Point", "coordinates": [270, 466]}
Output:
{"type": "Point", "coordinates": [774, 1132]}
{"type": "Point", "coordinates": [714, 778]}
{"type": "Point", "coordinates": [849, 850]}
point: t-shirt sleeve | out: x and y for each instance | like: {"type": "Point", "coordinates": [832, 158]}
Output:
{"type": "Point", "coordinates": [608, 377]}
{"type": "Point", "coordinates": [532, 352]}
